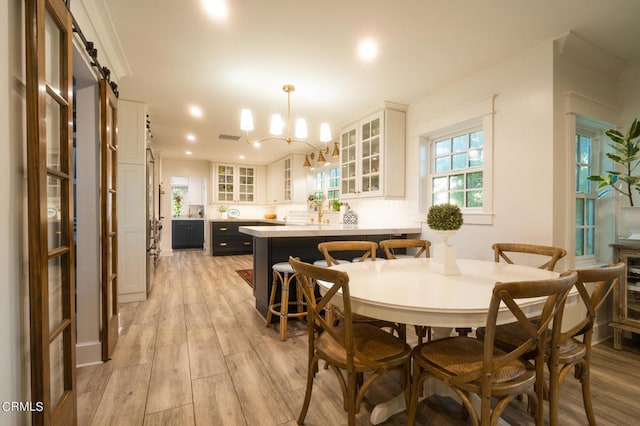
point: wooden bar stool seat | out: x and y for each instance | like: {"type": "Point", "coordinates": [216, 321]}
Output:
{"type": "Point", "coordinates": [283, 276]}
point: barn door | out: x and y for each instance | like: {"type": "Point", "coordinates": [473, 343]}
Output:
{"type": "Point", "coordinates": [109, 218]}
{"type": "Point", "coordinates": [50, 211]}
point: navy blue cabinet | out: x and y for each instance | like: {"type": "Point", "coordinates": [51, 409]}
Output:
{"type": "Point", "coordinates": [187, 234]}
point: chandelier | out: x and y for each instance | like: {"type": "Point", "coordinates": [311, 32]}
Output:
{"type": "Point", "coordinates": [278, 127]}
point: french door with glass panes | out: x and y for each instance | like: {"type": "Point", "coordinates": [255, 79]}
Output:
{"type": "Point", "coordinates": [109, 218]}
{"type": "Point", "coordinates": [49, 93]}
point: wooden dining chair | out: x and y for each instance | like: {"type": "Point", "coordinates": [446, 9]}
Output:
{"type": "Point", "coordinates": [363, 250]}
{"type": "Point", "coordinates": [501, 251]}
{"type": "Point", "coordinates": [422, 249]}
{"type": "Point", "coordinates": [351, 349]}
{"type": "Point", "coordinates": [471, 366]}
{"type": "Point", "coordinates": [421, 246]}
{"type": "Point", "coordinates": [358, 251]}
{"type": "Point", "coordinates": [550, 254]}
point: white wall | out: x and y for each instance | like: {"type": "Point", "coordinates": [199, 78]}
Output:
{"type": "Point", "coordinates": [14, 308]}
{"type": "Point", "coordinates": [522, 149]}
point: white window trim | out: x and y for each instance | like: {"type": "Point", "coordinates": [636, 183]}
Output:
{"type": "Point", "coordinates": [585, 112]}
{"type": "Point", "coordinates": [478, 114]}
{"type": "Point", "coordinates": [583, 127]}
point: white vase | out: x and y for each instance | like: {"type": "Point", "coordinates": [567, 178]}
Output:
{"type": "Point", "coordinates": [224, 215]}
{"type": "Point", "coordinates": [444, 260]}
{"type": "Point", "coordinates": [631, 221]}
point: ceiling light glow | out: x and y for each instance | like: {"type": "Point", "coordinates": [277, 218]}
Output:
{"type": "Point", "coordinates": [368, 50]}
{"type": "Point", "coordinates": [188, 152]}
{"type": "Point", "coordinates": [195, 111]}
{"type": "Point", "coordinates": [217, 9]}
{"type": "Point", "coordinates": [191, 137]}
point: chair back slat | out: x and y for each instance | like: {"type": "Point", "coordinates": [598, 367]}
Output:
{"type": "Point", "coordinates": [553, 253]}
{"type": "Point", "coordinates": [604, 280]}
{"type": "Point", "coordinates": [365, 250]}
{"type": "Point", "coordinates": [389, 246]}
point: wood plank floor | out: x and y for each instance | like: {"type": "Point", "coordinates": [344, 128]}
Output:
{"type": "Point", "coordinates": [197, 352]}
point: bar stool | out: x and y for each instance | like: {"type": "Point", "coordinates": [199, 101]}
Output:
{"type": "Point", "coordinates": [283, 275]}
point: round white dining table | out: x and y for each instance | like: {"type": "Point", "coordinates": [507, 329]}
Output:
{"type": "Point", "coordinates": [407, 291]}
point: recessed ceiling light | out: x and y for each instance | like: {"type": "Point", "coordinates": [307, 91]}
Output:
{"type": "Point", "coordinates": [217, 9]}
{"type": "Point", "coordinates": [188, 152]}
{"type": "Point", "coordinates": [191, 137]}
{"type": "Point", "coordinates": [241, 157]}
{"type": "Point", "coordinates": [195, 111]}
{"type": "Point", "coordinates": [256, 144]}
{"type": "Point", "coordinates": [368, 49]}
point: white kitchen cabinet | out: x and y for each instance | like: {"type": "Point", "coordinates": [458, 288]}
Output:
{"type": "Point", "coordinates": [196, 191]}
{"type": "Point", "coordinates": [287, 180]}
{"type": "Point", "coordinates": [372, 155]}
{"type": "Point", "coordinates": [131, 199]}
{"type": "Point", "coordinates": [235, 183]}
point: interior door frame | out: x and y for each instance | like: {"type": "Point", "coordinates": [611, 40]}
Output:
{"type": "Point", "coordinates": [42, 332]}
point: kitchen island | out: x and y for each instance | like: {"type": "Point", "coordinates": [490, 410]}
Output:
{"type": "Point", "coordinates": [273, 244]}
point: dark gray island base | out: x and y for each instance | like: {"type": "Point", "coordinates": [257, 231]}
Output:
{"type": "Point", "coordinates": [275, 244]}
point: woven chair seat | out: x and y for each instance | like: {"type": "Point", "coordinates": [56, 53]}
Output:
{"type": "Point", "coordinates": [377, 344]}
{"type": "Point", "coordinates": [459, 355]}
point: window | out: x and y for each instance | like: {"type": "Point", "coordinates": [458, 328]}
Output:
{"type": "Point", "coordinates": [457, 166]}
{"type": "Point", "coordinates": [328, 183]}
{"type": "Point", "coordinates": [586, 165]}
{"type": "Point", "coordinates": [320, 185]}
{"type": "Point", "coordinates": [455, 160]}
{"type": "Point", "coordinates": [333, 192]}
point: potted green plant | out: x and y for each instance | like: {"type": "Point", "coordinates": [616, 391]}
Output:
{"type": "Point", "coordinates": [444, 217]}
{"type": "Point", "coordinates": [445, 220]}
{"type": "Point", "coordinates": [626, 150]}
{"type": "Point", "coordinates": [625, 178]}
{"type": "Point", "coordinates": [223, 210]}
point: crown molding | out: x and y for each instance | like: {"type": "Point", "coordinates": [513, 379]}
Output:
{"type": "Point", "coordinates": [95, 22]}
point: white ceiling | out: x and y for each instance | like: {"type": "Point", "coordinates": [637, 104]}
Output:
{"type": "Point", "coordinates": [179, 56]}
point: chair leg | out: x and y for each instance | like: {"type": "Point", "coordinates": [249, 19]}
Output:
{"type": "Point", "coordinates": [272, 297]}
{"type": "Point", "coordinates": [416, 391]}
{"type": "Point", "coordinates": [350, 397]}
{"type": "Point", "coordinates": [284, 307]}
{"type": "Point", "coordinates": [313, 367]}
{"type": "Point", "coordinates": [585, 378]}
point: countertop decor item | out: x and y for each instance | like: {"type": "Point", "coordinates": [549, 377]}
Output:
{"type": "Point", "coordinates": [445, 220]}
{"type": "Point", "coordinates": [233, 213]}
{"type": "Point", "coordinates": [350, 217]}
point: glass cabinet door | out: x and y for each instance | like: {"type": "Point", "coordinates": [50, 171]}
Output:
{"type": "Point", "coordinates": [348, 163]}
{"type": "Point", "coordinates": [370, 156]}
{"type": "Point", "coordinates": [246, 177]}
{"type": "Point", "coordinates": [631, 296]}
{"type": "Point", "coordinates": [225, 183]}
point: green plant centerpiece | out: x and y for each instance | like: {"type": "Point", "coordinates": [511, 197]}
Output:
{"type": "Point", "coordinates": [626, 157]}
{"type": "Point", "coordinates": [445, 220]}
{"type": "Point", "coordinates": [444, 217]}
{"type": "Point", "coordinates": [223, 208]}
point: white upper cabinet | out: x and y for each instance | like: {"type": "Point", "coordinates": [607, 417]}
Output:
{"type": "Point", "coordinates": [287, 180]}
{"type": "Point", "coordinates": [196, 192]}
{"type": "Point", "coordinates": [372, 155]}
{"type": "Point", "coordinates": [235, 183]}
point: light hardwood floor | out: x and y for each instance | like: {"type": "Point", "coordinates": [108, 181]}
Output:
{"type": "Point", "coordinates": [197, 352]}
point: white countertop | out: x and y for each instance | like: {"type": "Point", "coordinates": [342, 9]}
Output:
{"type": "Point", "coordinates": [325, 230]}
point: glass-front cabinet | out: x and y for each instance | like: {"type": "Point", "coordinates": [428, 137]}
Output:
{"type": "Point", "coordinates": [626, 305]}
{"type": "Point", "coordinates": [372, 155]}
{"type": "Point", "coordinates": [235, 183]}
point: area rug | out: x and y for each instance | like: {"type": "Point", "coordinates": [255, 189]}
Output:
{"type": "Point", "coordinates": [247, 275]}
